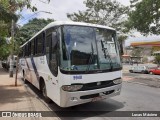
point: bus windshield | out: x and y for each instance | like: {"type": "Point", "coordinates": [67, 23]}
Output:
{"type": "Point", "coordinates": [88, 49]}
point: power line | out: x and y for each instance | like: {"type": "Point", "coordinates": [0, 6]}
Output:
{"type": "Point", "coordinates": [34, 15]}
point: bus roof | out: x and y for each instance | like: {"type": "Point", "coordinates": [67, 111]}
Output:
{"type": "Point", "coordinates": [58, 23]}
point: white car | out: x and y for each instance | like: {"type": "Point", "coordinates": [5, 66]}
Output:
{"type": "Point", "coordinates": [139, 69]}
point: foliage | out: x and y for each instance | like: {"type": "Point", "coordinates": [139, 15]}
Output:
{"type": "Point", "coordinates": [4, 29]}
{"type": "Point", "coordinates": [4, 49]}
{"type": "Point", "coordinates": [8, 10]}
{"type": "Point", "coordinates": [30, 29]}
{"type": "Point", "coordinates": [138, 52]}
{"type": "Point", "coordinates": [144, 59]}
{"type": "Point", "coordinates": [157, 59]}
{"type": "Point", "coordinates": [104, 12]}
{"type": "Point", "coordinates": [145, 16]}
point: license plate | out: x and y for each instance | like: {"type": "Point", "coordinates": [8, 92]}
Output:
{"type": "Point", "coordinates": [97, 98]}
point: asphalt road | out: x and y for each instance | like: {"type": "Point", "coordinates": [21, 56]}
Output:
{"type": "Point", "coordinates": [134, 97]}
{"type": "Point", "coordinates": [145, 79]}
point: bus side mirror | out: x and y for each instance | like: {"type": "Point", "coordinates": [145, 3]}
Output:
{"type": "Point", "coordinates": [54, 39]}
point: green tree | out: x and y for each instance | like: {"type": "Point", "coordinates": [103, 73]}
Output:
{"type": "Point", "coordinates": [104, 12]}
{"type": "Point", "coordinates": [145, 16]}
{"type": "Point", "coordinates": [8, 10]}
{"type": "Point", "coordinates": [4, 49]}
{"type": "Point", "coordinates": [157, 59]}
{"type": "Point", "coordinates": [137, 52]}
{"type": "Point", "coordinates": [31, 28]}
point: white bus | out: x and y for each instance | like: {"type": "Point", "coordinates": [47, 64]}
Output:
{"type": "Point", "coordinates": [70, 64]}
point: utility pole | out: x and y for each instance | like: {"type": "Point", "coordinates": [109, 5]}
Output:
{"type": "Point", "coordinates": [12, 47]}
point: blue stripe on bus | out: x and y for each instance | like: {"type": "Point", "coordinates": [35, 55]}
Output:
{"type": "Point", "coordinates": [35, 68]}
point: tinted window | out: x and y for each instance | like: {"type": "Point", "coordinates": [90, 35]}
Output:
{"type": "Point", "coordinates": [26, 50]}
{"type": "Point", "coordinates": [29, 48]}
{"type": "Point", "coordinates": [32, 47]}
{"type": "Point", "coordinates": [40, 44]}
{"type": "Point", "coordinates": [35, 46]}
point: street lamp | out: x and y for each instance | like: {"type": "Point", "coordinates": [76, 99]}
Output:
{"type": "Point", "coordinates": [12, 42]}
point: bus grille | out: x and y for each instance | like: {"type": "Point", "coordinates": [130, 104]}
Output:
{"type": "Point", "coordinates": [97, 85]}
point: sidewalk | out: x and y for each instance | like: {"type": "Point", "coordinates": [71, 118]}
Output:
{"type": "Point", "coordinates": [17, 98]}
{"type": "Point", "coordinates": [14, 98]}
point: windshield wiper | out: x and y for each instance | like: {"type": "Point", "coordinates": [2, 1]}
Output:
{"type": "Point", "coordinates": [107, 55]}
{"type": "Point", "coordinates": [90, 58]}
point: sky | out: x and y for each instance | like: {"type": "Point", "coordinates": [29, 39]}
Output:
{"type": "Point", "coordinates": [58, 8]}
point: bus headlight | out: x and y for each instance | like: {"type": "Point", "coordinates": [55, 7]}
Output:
{"type": "Point", "coordinates": [117, 81]}
{"type": "Point", "coordinates": [71, 88]}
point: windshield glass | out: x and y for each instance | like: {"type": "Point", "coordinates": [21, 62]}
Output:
{"type": "Point", "coordinates": [88, 49]}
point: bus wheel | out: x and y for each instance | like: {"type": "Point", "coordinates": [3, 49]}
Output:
{"type": "Point", "coordinates": [44, 93]}
{"type": "Point", "coordinates": [24, 79]}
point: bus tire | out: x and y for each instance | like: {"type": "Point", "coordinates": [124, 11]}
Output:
{"type": "Point", "coordinates": [24, 79]}
{"type": "Point", "coordinates": [44, 91]}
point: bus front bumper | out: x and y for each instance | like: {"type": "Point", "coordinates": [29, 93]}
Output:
{"type": "Point", "coordinates": [79, 97]}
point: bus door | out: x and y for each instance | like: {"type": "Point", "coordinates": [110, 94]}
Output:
{"type": "Point", "coordinates": [51, 54]}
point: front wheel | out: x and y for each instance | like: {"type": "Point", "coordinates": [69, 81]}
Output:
{"type": "Point", "coordinates": [24, 79]}
{"type": "Point", "coordinates": [151, 73]}
{"type": "Point", "coordinates": [44, 93]}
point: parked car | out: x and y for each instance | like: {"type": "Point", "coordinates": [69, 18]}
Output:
{"type": "Point", "coordinates": [6, 63]}
{"type": "Point", "coordinates": [139, 69]}
{"type": "Point", "coordinates": [155, 71]}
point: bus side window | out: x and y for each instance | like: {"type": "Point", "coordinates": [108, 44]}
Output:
{"type": "Point", "coordinates": [32, 47]}
{"type": "Point", "coordinates": [35, 46]}
{"type": "Point", "coordinates": [51, 51]}
{"type": "Point", "coordinates": [40, 44]}
{"type": "Point", "coordinates": [48, 47]}
{"type": "Point", "coordinates": [26, 50]}
{"type": "Point", "coordinates": [23, 50]}
{"type": "Point", "coordinates": [29, 49]}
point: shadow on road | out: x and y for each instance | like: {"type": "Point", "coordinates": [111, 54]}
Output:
{"type": "Point", "coordinates": [93, 109]}
{"type": "Point", "coordinates": [10, 94]}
